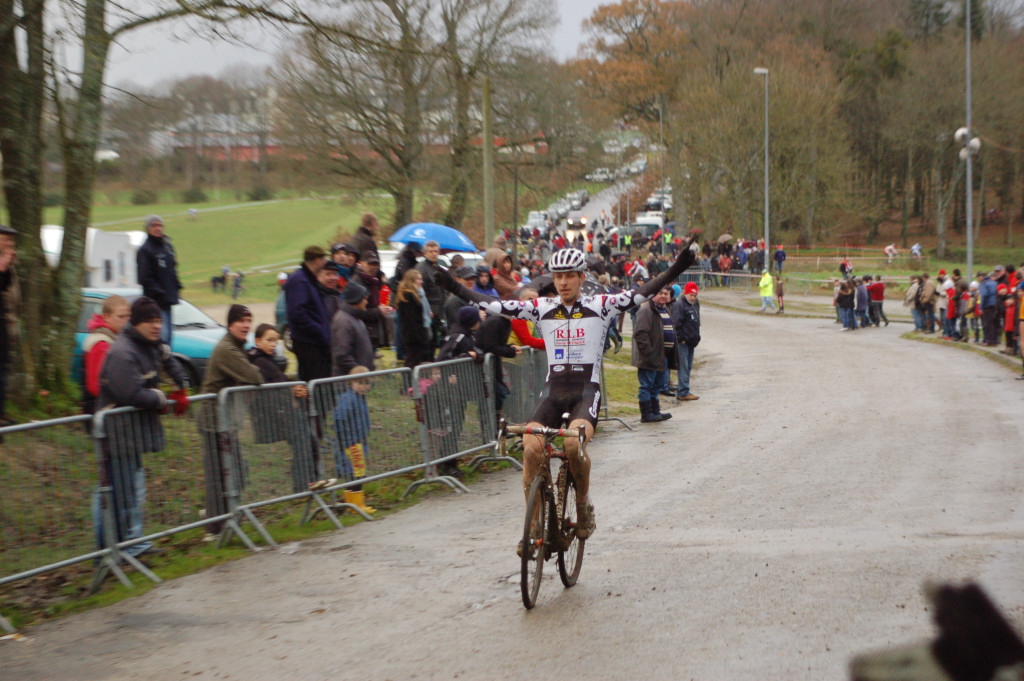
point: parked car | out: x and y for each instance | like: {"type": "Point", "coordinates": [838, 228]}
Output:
{"type": "Point", "coordinates": [195, 333]}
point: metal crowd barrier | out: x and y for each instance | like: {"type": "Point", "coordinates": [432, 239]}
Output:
{"type": "Point", "coordinates": [267, 451]}
{"type": "Point", "coordinates": [152, 476]}
{"type": "Point", "coordinates": [375, 410]}
{"type": "Point", "coordinates": [47, 474]}
{"type": "Point", "coordinates": [149, 466]}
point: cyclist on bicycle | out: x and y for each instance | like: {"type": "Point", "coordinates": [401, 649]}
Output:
{"type": "Point", "coordinates": [574, 327]}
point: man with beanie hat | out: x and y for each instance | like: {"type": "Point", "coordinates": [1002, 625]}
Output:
{"type": "Point", "coordinates": [229, 366]}
{"type": "Point", "coordinates": [460, 341]}
{"type": "Point", "coordinates": [157, 271]}
{"type": "Point", "coordinates": [350, 341]}
{"type": "Point", "coordinates": [130, 377]}
{"type": "Point", "coordinates": [686, 322]}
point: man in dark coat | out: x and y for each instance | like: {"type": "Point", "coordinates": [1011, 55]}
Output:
{"type": "Point", "coordinates": [435, 294]}
{"type": "Point", "coordinates": [307, 317]}
{"type": "Point", "coordinates": [379, 320]}
{"type": "Point", "coordinates": [686, 323]}
{"type": "Point", "coordinates": [131, 378]}
{"type": "Point", "coordinates": [157, 271]}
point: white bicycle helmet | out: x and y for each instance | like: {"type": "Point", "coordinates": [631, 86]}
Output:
{"type": "Point", "coordinates": [568, 260]}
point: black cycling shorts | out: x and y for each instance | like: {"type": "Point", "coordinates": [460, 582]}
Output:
{"type": "Point", "coordinates": [581, 399]}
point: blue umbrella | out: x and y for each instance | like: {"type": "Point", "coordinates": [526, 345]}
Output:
{"type": "Point", "coordinates": [421, 232]}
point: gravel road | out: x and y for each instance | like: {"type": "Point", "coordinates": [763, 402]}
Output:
{"type": "Point", "coordinates": [779, 525]}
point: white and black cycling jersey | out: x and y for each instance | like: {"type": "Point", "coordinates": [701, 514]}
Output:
{"type": "Point", "coordinates": [573, 336]}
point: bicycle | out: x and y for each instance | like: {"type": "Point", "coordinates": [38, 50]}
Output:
{"type": "Point", "coordinates": [550, 526]}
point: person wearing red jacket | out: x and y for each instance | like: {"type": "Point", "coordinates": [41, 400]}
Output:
{"type": "Point", "coordinates": [103, 330]}
{"type": "Point", "coordinates": [876, 296]}
{"type": "Point", "coordinates": [949, 325]}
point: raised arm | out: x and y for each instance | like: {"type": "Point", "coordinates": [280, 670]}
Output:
{"type": "Point", "coordinates": [509, 308]}
{"type": "Point", "coordinates": [681, 264]}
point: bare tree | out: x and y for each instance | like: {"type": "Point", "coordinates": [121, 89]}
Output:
{"type": "Point", "coordinates": [478, 34]}
{"type": "Point", "coordinates": [30, 72]}
{"type": "Point", "coordinates": [354, 97]}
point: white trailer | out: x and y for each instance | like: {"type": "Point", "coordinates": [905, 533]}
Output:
{"type": "Point", "coordinates": [109, 256]}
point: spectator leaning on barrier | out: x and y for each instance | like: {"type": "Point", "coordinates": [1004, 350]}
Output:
{"type": "Point", "coordinates": [103, 328]}
{"type": "Point", "coordinates": [649, 355]}
{"type": "Point", "coordinates": [350, 341]}
{"type": "Point", "coordinates": [157, 271]}
{"type": "Point", "coordinates": [686, 323]}
{"type": "Point", "coordinates": [228, 367]}
{"type": "Point", "coordinates": [278, 415]}
{"type": "Point", "coordinates": [131, 378]}
{"type": "Point", "coordinates": [308, 323]}
{"type": "Point", "coordinates": [492, 337]}
{"type": "Point", "coordinates": [7, 282]}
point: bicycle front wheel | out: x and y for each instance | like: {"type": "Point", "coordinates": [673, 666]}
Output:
{"type": "Point", "coordinates": [533, 542]}
{"type": "Point", "coordinates": [570, 550]}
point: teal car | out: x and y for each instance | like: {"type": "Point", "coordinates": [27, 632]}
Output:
{"type": "Point", "coordinates": [192, 342]}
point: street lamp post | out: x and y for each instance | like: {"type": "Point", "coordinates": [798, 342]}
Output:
{"type": "Point", "coordinates": [970, 146]}
{"type": "Point", "coordinates": [661, 142]}
{"type": "Point", "coordinates": [767, 253]}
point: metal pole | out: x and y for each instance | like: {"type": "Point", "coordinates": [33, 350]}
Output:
{"type": "Point", "coordinates": [767, 250]}
{"type": "Point", "coordinates": [970, 135]}
{"type": "Point", "coordinates": [661, 142]}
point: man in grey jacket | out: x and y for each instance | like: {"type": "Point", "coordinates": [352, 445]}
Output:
{"type": "Point", "coordinates": [350, 341]}
{"type": "Point", "coordinates": [131, 378]}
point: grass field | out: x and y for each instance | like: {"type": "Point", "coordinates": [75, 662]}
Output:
{"type": "Point", "coordinates": [259, 239]}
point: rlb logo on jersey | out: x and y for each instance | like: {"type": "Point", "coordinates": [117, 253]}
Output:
{"type": "Point", "coordinates": [559, 353]}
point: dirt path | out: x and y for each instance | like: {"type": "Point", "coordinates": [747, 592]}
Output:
{"type": "Point", "coordinates": [772, 529]}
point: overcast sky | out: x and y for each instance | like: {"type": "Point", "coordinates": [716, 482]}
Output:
{"type": "Point", "coordinates": [152, 55]}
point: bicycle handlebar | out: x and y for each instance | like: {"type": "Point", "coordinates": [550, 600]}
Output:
{"type": "Point", "coordinates": [546, 432]}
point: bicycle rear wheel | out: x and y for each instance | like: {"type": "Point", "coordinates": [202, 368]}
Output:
{"type": "Point", "coordinates": [533, 542]}
{"type": "Point", "coordinates": [570, 553]}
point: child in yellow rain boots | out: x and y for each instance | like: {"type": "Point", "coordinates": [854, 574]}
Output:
{"type": "Point", "coordinates": [352, 422]}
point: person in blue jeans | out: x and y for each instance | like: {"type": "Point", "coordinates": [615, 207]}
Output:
{"type": "Point", "coordinates": [685, 315]}
{"type": "Point", "coordinates": [862, 302]}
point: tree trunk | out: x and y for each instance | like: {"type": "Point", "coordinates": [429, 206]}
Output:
{"type": "Point", "coordinates": [458, 199]}
{"type": "Point", "coordinates": [22, 94]}
{"type": "Point", "coordinates": [940, 214]}
{"type": "Point", "coordinates": [906, 199]}
{"type": "Point", "coordinates": [1015, 196]}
